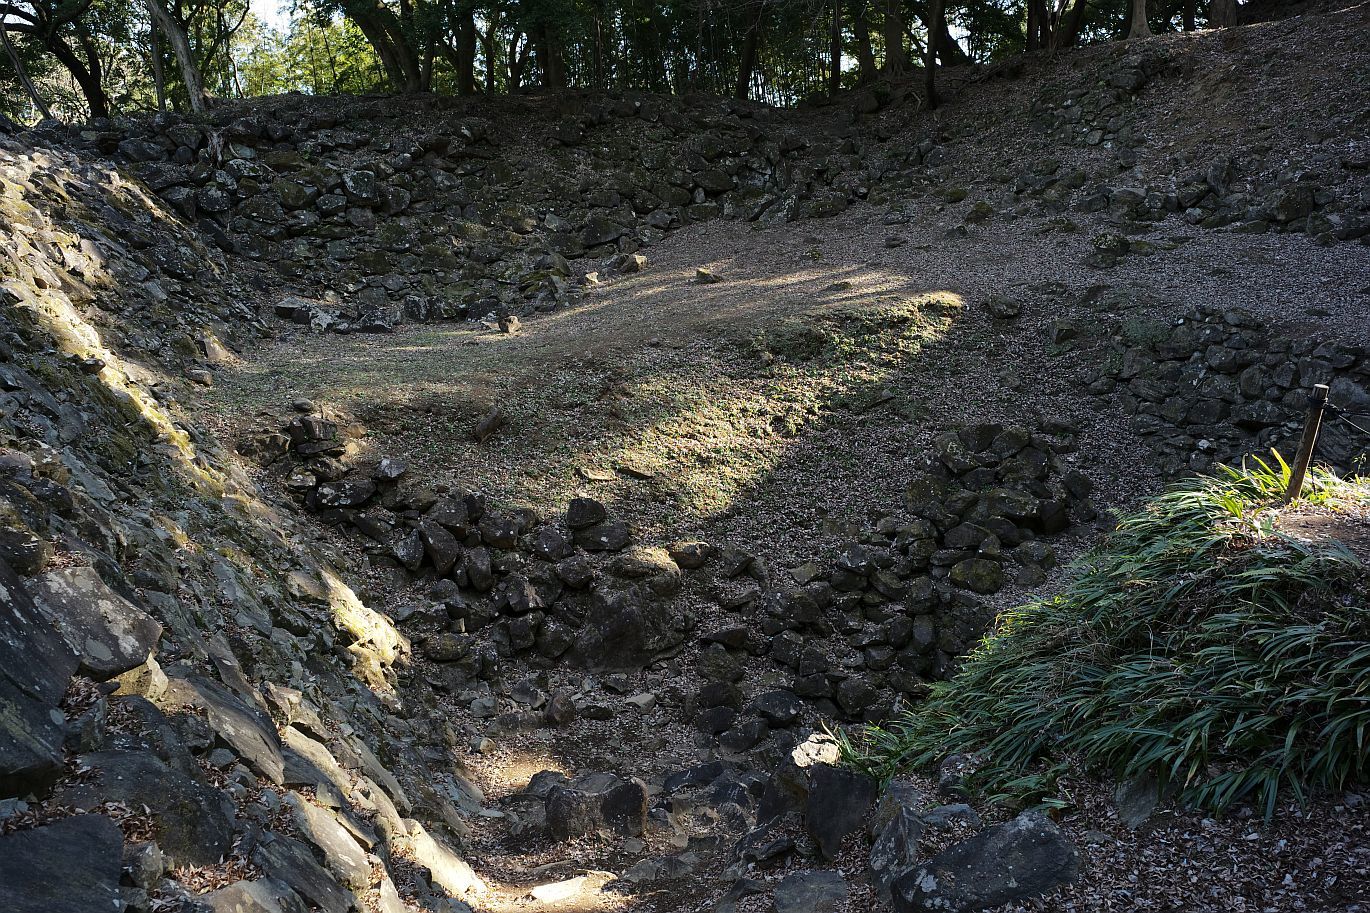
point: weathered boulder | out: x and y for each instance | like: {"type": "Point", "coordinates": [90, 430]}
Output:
{"type": "Point", "coordinates": [69, 866]}
{"type": "Point", "coordinates": [594, 803]}
{"type": "Point", "coordinates": [108, 633]}
{"type": "Point", "coordinates": [839, 800]}
{"type": "Point", "coordinates": [1025, 857]}
{"type": "Point", "coordinates": [895, 850]}
{"type": "Point", "coordinates": [192, 823]}
{"type": "Point", "coordinates": [625, 629]}
{"type": "Point", "coordinates": [36, 666]}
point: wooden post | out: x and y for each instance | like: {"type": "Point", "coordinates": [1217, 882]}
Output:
{"type": "Point", "coordinates": [1317, 403]}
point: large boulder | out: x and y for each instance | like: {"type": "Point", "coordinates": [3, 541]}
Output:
{"type": "Point", "coordinates": [108, 633]}
{"type": "Point", "coordinates": [1025, 857]}
{"type": "Point", "coordinates": [69, 866]}
{"type": "Point", "coordinates": [838, 802]}
{"type": "Point", "coordinates": [36, 667]}
{"type": "Point", "coordinates": [626, 629]}
{"type": "Point", "coordinates": [596, 803]}
{"type": "Point", "coordinates": [192, 823]}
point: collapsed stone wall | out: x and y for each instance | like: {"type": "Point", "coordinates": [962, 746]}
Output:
{"type": "Point", "coordinates": [1221, 384]}
{"type": "Point", "coordinates": [364, 213]}
{"type": "Point", "coordinates": [348, 202]}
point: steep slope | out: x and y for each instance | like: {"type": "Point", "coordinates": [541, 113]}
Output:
{"type": "Point", "coordinates": [176, 657]}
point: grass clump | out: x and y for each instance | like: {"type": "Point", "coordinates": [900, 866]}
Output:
{"type": "Point", "coordinates": [1200, 645]}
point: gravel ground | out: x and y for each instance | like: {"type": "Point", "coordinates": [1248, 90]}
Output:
{"type": "Point", "coordinates": [650, 379]}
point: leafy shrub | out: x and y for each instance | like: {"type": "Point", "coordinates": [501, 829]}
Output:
{"type": "Point", "coordinates": [1199, 645]}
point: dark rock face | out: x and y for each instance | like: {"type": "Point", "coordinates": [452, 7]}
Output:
{"type": "Point", "coordinates": [192, 823]}
{"type": "Point", "coordinates": [110, 634]}
{"type": "Point", "coordinates": [35, 668]}
{"type": "Point", "coordinates": [626, 630]}
{"type": "Point", "coordinates": [69, 866]}
{"type": "Point", "coordinates": [1026, 857]}
{"type": "Point", "coordinates": [596, 803]}
{"type": "Point", "coordinates": [1224, 383]}
{"type": "Point", "coordinates": [837, 805]}
{"type": "Point", "coordinates": [811, 892]}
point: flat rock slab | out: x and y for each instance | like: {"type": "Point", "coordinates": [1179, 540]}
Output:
{"type": "Point", "coordinates": [247, 731]}
{"type": "Point", "coordinates": [289, 861]}
{"type": "Point", "coordinates": [811, 892]}
{"type": "Point", "coordinates": [446, 869]}
{"type": "Point", "coordinates": [342, 854]}
{"type": "Point", "coordinates": [109, 634]}
{"type": "Point", "coordinates": [265, 896]}
{"type": "Point", "coordinates": [192, 823]}
{"type": "Point", "coordinates": [69, 866]}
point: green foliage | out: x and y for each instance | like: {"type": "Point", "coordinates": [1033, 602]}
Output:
{"type": "Point", "coordinates": [362, 46]}
{"type": "Point", "coordinates": [1200, 645]}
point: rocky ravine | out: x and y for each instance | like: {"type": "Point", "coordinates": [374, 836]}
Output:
{"type": "Point", "coordinates": [358, 662]}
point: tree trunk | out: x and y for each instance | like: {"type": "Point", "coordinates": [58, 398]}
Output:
{"type": "Point", "coordinates": [948, 49]}
{"type": "Point", "coordinates": [158, 74]}
{"type": "Point", "coordinates": [549, 58]}
{"type": "Point", "coordinates": [1187, 15]}
{"type": "Point", "coordinates": [88, 78]}
{"type": "Point", "coordinates": [747, 64]}
{"type": "Point", "coordinates": [405, 55]}
{"type": "Point", "coordinates": [866, 69]}
{"type": "Point", "coordinates": [1222, 14]}
{"type": "Point", "coordinates": [599, 51]}
{"type": "Point", "coordinates": [835, 49]}
{"type": "Point", "coordinates": [384, 31]}
{"type": "Point", "coordinates": [180, 46]}
{"type": "Point", "coordinates": [466, 53]}
{"type": "Point", "coordinates": [896, 58]}
{"type": "Point", "coordinates": [1139, 27]}
{"type": "Point", "coordinates": [23, 73]}
{"type": "Point", "coordinates": [489, 42]}
{"type": "Point", "coordinates": [1030, 43]}
{"type": "Point", "coordinates": [518, 60]}
{"type": "Point", "coordinates": [1069, 33]}
{"type": "Point", "coordinates": [935, 26]}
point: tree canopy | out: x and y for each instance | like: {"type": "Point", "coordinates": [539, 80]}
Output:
{"type": "Point", "coordinates": [97, 58]}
